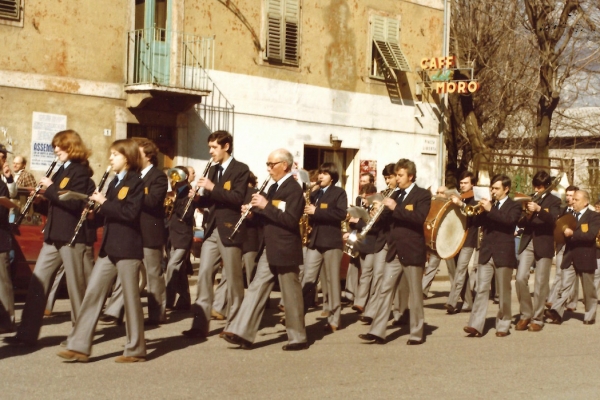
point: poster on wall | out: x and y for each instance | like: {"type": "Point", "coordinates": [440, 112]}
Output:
{"type": "Point", "coordinates": [369, 166]}
{"type": "Point", "coordinates": [43, 128]}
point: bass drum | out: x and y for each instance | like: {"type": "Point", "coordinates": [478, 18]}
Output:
{"type": "Point", "coordinates": [445, 228]}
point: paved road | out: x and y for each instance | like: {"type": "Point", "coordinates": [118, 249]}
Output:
{"type": "Point", "coordinates": [559, 362]}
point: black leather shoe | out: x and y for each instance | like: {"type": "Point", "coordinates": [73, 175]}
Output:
{"type": "Point", "coordinates": [366, 320]}
{"type": "Point", "coordinates": [371, 338]}
{"type": "Point", "coordinates": [553, 316]}
{"type": "Point", "coordinates": [235, 339]}
{"type": "Point", "coordinates": [194, 333]}
{"type": "Point", "coordinates": [472, 331]}
{"type": "Point", "coordinates": [16, 341]}
{"type": "Point", "coordinates": [590, 322]}
{"type": "Point", "coordinates": [295, 346]}
{"type": "Point", "coordinates": [450, 309]}
{"type": "Point", "coordinates": [415, 342]}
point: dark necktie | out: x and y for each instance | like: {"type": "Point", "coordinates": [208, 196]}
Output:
{"type": "Point", "coordinates": [497, 205]}
{"type": "Point", "coordinates": [402, 196]}
{"type": "Point", "coordinates": [219, 173]}
{"type": "Point", "coordinates": [272, 191]}
{"type": "Point", "coordinates": [319, 195]}
{"type": "Point", "coordinates": [577, 214]}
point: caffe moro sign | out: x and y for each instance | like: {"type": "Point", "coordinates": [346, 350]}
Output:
{"type": "Point", "coordinates": [444, 72]}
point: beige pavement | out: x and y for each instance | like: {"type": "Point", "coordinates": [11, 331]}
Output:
{"type": "Point", "coordinates": [559, 362]}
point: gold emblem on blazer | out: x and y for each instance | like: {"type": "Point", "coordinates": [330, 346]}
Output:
{"type": "Point", "coordinates": [227, 185]}
{"type": "Point", "coordinates": [64, 182]}
{"type": "Point", "coordinates": [146, 190]}
{"type": "Point", "coordinates": [547, 209]}
{"type": "Point", "coordinates": [409, 207]}
{"type": "Point", "coordinates": [228, 225]}
{"type": "Point", "coordinates": [276, 203]}
{"type": "Point", "coordinates": [123, 192]}
{"type": "Point", "coordinates": [584, 228]}
{"type": "Point", "coordinates": [323, 205]}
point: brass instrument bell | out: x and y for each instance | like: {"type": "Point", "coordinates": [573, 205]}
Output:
{"type": "Point", "coordinates": [176, 175]}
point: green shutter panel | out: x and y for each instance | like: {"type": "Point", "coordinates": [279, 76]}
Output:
{"type": "Point", "coordinates": [10, 9]}
{"type": "Point", "coordinates": [275, 33]}
{"type": "Point", "coordinates": [292, 23]}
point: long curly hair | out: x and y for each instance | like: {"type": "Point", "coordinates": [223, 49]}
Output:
{"type": "Point", "coordinates": [70, 142]}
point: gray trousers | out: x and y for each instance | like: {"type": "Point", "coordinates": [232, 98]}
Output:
{"type": "Point", "coordinates": [88, 264]}
{"type": "Point", "coordinates": [48, 262]}
{"type": "Point", "coordinates": [378, 269]}
{"type": "Point", "coordinates": [485, 273]}
{"type": "Point", "coordinates": [590, 296]}
{"type": "Point", "coordinates": [459, 281]}
{"type": "Point", "coordinates": [220, 296]}
{"type": "Point", "coordinates": [391, 279]}
{"type": "Point", "coordinates": [103, 276]}
{"type": "Point", "coordinates": [573, 296]}
{"type": "Point", "coordinates": [352, 283]}
{"type": "Point", "coordinates": [7, 300]}
{"type": "Point", "coordinates": [155, 289]}
{"type": "Point", "coordinates": [331, 260]}
{"type": "Point", "coordinates": [432, 268]}
{"type": "Point", "coordinates": [177, 279]}
{"type": "Point", "coordinates": [533, 310]}
{"type": "Point", "coordinates": [212, 249]}
{"type": "Point", "coordinates": [246, 322]}
{"type": "Point", "coordinates": [366, 276]}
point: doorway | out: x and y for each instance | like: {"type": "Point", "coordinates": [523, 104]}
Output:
{"type": "Point", "coordinates": [343, 159]}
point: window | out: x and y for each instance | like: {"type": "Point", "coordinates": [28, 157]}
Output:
{"type": "Point", "coordinates": [593, 166]}
{"type": "Point", "coordinates": [385, 47]}
{"type": "Point", "coordinates": [11, 12]}
{"type": "Point", "coordinates": [282, 31]}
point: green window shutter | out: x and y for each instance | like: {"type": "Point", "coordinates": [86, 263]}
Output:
{"type": "Point", "coordinates": [10, 9]}
{"type": "Point", "coordinates": [275, 33]}
{"type": "Point", "coordinates": [292, 22]}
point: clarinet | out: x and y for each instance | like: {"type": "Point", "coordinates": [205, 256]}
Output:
{"type": "Point", "coordinates": [31, 197]}
{"type": "Point", "coordinates": [191, 199]}
{"type": "Point", "coordinates": [245, 213]}
{"type": "Point", "coordinates": [89, 207]}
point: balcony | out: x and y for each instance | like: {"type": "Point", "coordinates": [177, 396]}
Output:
{"type": "Point", "coordinates": [166, 70]}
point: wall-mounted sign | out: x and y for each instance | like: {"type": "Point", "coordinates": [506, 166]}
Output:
{"type": "Point", "coordinates": [43, 128]}
{"type": "Point", "coordinates": [429, 146]}
{"type": "Point", "coordinates": [442, 79]}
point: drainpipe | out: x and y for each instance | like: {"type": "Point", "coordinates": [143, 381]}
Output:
{"type": "Point", "coordinates": [445, 50]}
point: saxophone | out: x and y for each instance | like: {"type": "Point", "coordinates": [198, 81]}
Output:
{"type": "Point", "coordinates": [305, 227]}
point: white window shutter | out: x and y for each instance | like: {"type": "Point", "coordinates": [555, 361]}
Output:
{"type": "Point", "coordinates": [292, 23]}
{"type": "Point", "coordinates": [275, 35]}
{"type": "Point", "coordinates": [378, 28]}
{"type": "Point", "coordinates": [10, 9]}
{"type": "Point", "coordinates": [386, 37]}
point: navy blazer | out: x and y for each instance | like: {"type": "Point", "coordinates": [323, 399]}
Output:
{"type": "Point", "coordinates": [580, 248]}
{"type": "Point", "coordinates": [225, 202]}
{"type": "Point", "coordinates": [152, 217]}
{"type": "Point", "coordinates": [281, 229]}
{"type": "Point", "coordinates": [407, 237]}
{"type": "Point", "coordinates": [122, 237]}
{"type": "Point", "coordinates": [499, 234]}
{"type": "Point", "coordinates": [63, 215]}
{"type": "Point", "coordinates": [326, 222]}
{"type": "Point", "coordinates": [540, 228]}
{"type": "Point", "coordinates": [181, 227]}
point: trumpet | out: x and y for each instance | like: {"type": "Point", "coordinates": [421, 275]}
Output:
{"type": "Point", "coordinates": [191, 199]}
{"type": "Point", "coordinates": [31, 197]}
{"type": "Point", "coordinates": [477, 209]}
{"type": "Point", "coordinates": [89, 207]}
{"type": "Point", "coordinates": [349, 246]}
{"type": "Point", "coordinates": [245, 213]}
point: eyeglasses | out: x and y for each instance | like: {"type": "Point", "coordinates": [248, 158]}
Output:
{"type": "Point", "coordinates": [272, 164]}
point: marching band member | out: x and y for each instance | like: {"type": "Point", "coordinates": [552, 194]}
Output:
{"type": "Point", "coordinates": [223, 191]}
{"type": "Point", "coordinates": [366, 255]}
{"type": "Point", "coordinates": [579, 260]}
{"type": "Point", "coordinates": [496, 256]}
{"type": "Point", "coordinates": [326, 212]}
{"type": "Point", "coordinates": [537, 245]}
{"type": "Point", "coordinates": [280, 254]}
{"type": "Point", "coordinates": [181, 233]}
{"type": "Point", "coordinates": [560, 250]}
{"type": "Point", "coordinates": [466, 182]}
{"type": "Point", "coordinates": [406, 254]}
{"type": "Point", "coordinates": [121, 254]}
{"type": "Point", "coordinates": [7, 301]}
{"type": "Point", "coordinates": [63, 216]}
